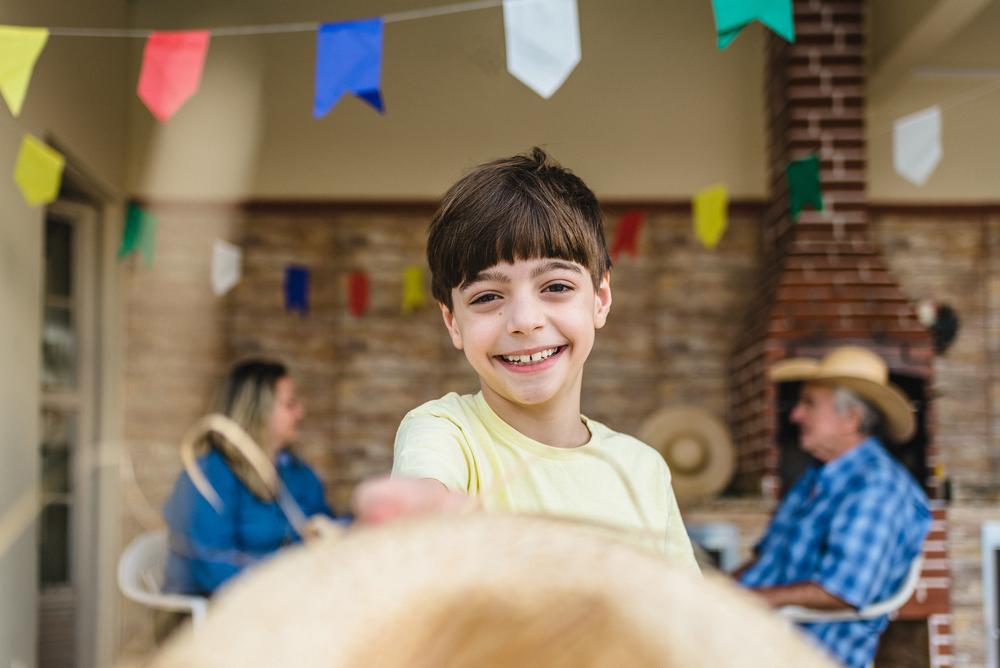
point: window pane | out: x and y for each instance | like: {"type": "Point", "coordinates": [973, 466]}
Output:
{"type": "Point", "coordinates": [58, 258]}
{"type": "Point", "coordinates": [53, 542]}
{"type": "Point", "coordinates": [58, 347]}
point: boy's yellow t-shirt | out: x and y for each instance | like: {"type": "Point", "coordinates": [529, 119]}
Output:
{"type": "Point", "coordinates": [461, 442]}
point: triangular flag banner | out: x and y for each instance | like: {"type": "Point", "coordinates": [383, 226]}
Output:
{"type": "Point", "coordinates": [227, 261]}
{"type": "Point", "coordinates": [731, 16]}
{"type": "Point", "coordinates": [916, 145]}
{"type": "Point", "coordinates": [348, 60]}
{"type": "Point", "coordinates": [297, 289]}
{"type": "Point", "coordinates": [414, 296]}
{"type": "Point", "coordinates": [803, 185]}
{"type": "Point", "coordinates": [139, 234]}
{"type": "Point", "coordinates": [172, 63]}
{"type": "Point", "coordinates": [19, 49]}
{"type": "Point", "coordinates": [543, 42]}
{"type": "Point", "coordinates": [627, 234]}
{"type": "Point", "coordinates": [711, 215]}
{"type": "Point", "coordinates": [38, 172]}
{"type": "Point", "coordinates": [357, 293]}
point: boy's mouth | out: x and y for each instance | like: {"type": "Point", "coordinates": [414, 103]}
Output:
{"type": "Point", "coordinates": [529, 360]}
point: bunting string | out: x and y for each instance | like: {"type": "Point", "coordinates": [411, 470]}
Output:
{"type": "Point", "coordinates": [280, 28]}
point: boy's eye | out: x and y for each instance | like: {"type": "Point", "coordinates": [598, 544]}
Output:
{"type": "Point", "coordinates": [558, 287]}
{"type": "Point", "coordinates": [485, 299]}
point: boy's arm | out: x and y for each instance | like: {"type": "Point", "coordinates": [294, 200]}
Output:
{"type": "Point", "coordinates": [430, 473]}
{"type": "Point", "coordinates": [382, 499]}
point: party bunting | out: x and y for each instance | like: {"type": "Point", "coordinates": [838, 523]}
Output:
{"type": "Point", "coordinates": [139, 234]}
{"type": "Point", "coordinates": [543, 42]}
{"type": "Point", "coordinates": [916, 147]}
{"type": "Point", "coordinates": [172, 63]}
{"type": "Point", "coordinates": [627, 234]}
{"type": "Point", "coordinates": [19, 50]}
{"type": "Point", "coordinates": [348, 60]}
{"type": "Point", "coordinates": [297, 289]}
{"type": "Point", "coordinates": [38, 171]}
{"type": "Point", "coordinates": [357, 293]}
{"type": "Point", "coordinates": [227, 262]}
{"type": "Point", "coordinates": [731, 16]}
{"type": "Point", "coordinates": [414, 296]}
{"type": "Point", "coordinates": [803, 185]}
{"type": "Point", "coordinates": [710, 215]}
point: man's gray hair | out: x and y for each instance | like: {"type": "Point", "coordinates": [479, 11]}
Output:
{"type": "Point", "coordinates": [845, 401]}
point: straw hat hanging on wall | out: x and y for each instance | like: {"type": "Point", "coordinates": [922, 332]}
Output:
{"type": "Point", "coordinates": [696, 447]}
{"type": "Point", "coordinates": [482, 590]}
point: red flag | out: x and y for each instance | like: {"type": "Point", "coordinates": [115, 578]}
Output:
{"type": "Point", "coordinates": [357, 293]}
{"type": "Point", "coordinates": [627, 236]}
{"type": "Point", "coordinates": [171, 70]}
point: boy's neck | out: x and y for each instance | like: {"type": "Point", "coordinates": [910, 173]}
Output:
{"type": "Point", "coordinates": [555, 423]}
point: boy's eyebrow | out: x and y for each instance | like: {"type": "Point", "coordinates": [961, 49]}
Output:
{"type": "Point", "coordinates": [553, 265]}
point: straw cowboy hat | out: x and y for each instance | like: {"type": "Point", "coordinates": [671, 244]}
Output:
{"type": "Point", "coordinates": [479, 589]}
{"type": "Point", "coordinates": [864, 373]}
{"type": "Point", "coordinates": [696, 447]}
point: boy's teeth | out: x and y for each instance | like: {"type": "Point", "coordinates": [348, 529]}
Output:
{"type": "Point", "coordinates": [527, 359]}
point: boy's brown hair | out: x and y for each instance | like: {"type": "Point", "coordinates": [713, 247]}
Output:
{"type": "Point", "coordinates": [517, 208]}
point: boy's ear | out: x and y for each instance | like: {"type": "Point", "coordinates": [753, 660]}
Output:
{"type": "Point", "coordinates": [602, 301]}
{"type": "Point", "coordinates": [449, 322]}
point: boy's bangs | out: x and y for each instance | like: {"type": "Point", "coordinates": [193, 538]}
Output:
{"type": "Point", "coordinates": [529, 238]}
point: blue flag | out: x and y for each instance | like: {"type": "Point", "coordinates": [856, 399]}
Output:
{"type": "Point", "coordinates": [348, 60]}
{"type": "Point", "coordinates": [732, 15]}
{"type": "Point", "coordinates": [297, 289]}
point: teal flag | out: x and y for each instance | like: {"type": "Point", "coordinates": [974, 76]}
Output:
{"type": "Point", "coordinates": [139, 234]}
{"type": "Point", "coordinates": [804, 185]}
{"type": "Point", "coordinates": [732, 15]}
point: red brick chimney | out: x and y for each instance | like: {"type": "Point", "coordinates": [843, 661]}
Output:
{"type": "Point", "coordinates": [823, 281]}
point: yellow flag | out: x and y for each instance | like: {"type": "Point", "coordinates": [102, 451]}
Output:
{"type": "Point", "coordinates": [38, 172]}
{"type": "Point", "coordinates": [19, 49]}
{"type": "Point", "coordinates": [413, 289]}
{"type": "Point", "coordinates": [710, 215]}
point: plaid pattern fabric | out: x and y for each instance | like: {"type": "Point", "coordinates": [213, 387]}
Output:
{"type": "Point", "coordinates": [851, 526]}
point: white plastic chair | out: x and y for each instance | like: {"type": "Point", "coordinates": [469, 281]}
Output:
{"type": "Point", "coordinates": [140, 577]}
{"type": "Point", "coordinates": [888, 606]}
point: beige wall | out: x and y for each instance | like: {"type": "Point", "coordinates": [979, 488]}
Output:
{"type": "Point", "coordinates": [76, 98]}
{"type": "Point", "coordinates": [652, 111]}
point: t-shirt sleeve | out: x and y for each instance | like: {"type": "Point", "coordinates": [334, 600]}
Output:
{"type": "Point", "coordinates": [429, 446]}
{"type": "Point", "coordinates": [678, 544]}
{"type": "Point", "coordinates": [862, 539]}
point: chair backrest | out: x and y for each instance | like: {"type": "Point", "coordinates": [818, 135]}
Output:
{"type": "Point", "coordinates": [885, 607]}
{"type": "Point", "coordinates": [140, 577]}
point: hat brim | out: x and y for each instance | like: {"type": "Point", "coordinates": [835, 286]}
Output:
{"type": "Point", "coordinates": [666, 426]}
{"type": "Point", "coordinates": [888, 399]}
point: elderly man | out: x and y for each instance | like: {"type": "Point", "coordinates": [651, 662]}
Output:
{"type": "Point", "coordinates": [848, 530]}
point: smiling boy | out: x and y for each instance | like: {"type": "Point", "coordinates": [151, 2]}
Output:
{"type": "Point", "coordinates": [521, 271]}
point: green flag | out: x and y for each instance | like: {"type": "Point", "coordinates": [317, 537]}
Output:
{"type": "Point", "coordinates": [139, 234]}
{"type": "Point", "coordinates": [803, 185]}
{"type": "Point", "coordinates": [732, 15]}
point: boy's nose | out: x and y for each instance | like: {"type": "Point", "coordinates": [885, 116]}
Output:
{"type": "Point", "coordinates": [524, 316]}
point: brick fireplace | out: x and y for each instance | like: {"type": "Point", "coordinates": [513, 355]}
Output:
{"type": "Point", "coordinates": [824, 281]}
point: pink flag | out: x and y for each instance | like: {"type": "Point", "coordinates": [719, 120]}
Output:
{"type": "Point", "coordinates": [171, 70]}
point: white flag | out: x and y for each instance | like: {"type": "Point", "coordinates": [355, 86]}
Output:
{"type": "Point", "coordinates": [916, 145]}
{"type": "Point", "coordinates": [543, 42]}
{"type": "Point", "coordinates": [226, 266]}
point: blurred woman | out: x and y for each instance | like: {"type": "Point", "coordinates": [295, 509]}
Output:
{"type": "Point", "coordinates": [209, 545]}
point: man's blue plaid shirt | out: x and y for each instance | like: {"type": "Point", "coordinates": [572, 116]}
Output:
{"type": "Point", "coordinates": [852, 526]}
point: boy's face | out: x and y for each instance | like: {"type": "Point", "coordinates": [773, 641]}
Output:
{"type": "Point", "coordinates": [528, 327]}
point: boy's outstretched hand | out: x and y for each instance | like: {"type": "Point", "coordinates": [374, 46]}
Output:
{"type": "Point", "coordinates": [383, 499]}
